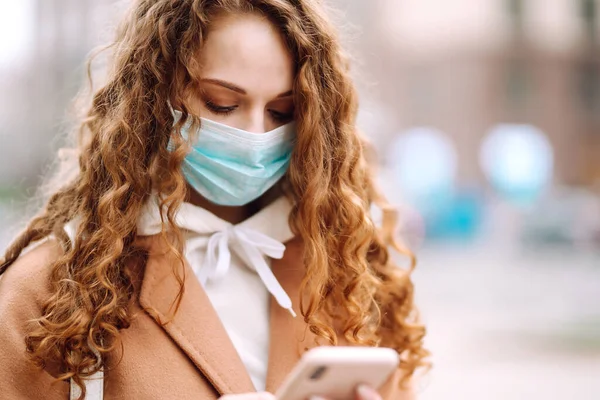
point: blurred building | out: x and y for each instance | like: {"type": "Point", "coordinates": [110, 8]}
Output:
{"type": "Point", "coordinates": [42, 67]}
{"type": "Point", "coordinates": [461, 67]}
{"type": "Point", "coordinates": [467, 65]}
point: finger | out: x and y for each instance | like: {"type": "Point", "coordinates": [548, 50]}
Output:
{"type": "Point", "coordinates": [365, 392]}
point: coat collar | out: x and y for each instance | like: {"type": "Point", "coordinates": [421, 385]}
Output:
{"type": "Point", "coordinates": [195, 327]}
{"type": "Point", "coordinates": [272, 220]}
{"type": "Point", "coordinates": [289, 337]}
{"type": "Point", "coordinates": [198, 331]}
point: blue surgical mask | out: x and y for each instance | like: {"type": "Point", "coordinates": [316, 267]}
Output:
{"type": "Point", "coordinates": [232, 167]}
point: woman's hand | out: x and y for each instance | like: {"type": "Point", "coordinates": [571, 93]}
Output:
{"type": "Point", "coordinates": [249, 396]}
{"type": "Point", "coordinates": [363, 392]}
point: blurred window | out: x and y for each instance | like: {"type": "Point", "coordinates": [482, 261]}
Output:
{"type": "Point", "coordinates": [519, 83]}
{"type": "Point", "coordinates": [589, 12]}
{"type": "Point", "coordinates": [589, 86]}
{"type": "Point", "coordinates": [516, 11]}
{"type": "Point", "coordinates": [588, 72]}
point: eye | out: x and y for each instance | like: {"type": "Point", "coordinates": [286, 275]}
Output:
{"type": "Point", "coordinates": [281, 117]}
{"type": "Point", "coordinates": [220, 110]}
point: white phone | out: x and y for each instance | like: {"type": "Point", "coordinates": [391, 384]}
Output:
{"type": "Point", "coordinates": [335, 372]}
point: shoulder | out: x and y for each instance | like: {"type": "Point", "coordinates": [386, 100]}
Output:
{"type": "Point", "coordinates": [25, 286]}
{"type": "Point", "coordinates": [23, 289]}
{"type": "Point", "coordinates": [27, 280]}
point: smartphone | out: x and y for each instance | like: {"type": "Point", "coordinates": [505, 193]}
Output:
{"type": "Point", "coordinates": [335, 372]}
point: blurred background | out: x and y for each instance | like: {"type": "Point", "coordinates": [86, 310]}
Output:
{"type": "Point", "coordinates": [486, 118]}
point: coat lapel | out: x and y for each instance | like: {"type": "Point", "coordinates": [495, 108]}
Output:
{"type": "Point", "coordinates": [289, 336]}
{"type": "Point", "coordinates": [196, 327]}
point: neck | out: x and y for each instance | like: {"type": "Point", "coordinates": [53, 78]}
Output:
{"type": "Point", "coordinates": [231, 214]}
{"type": "Point", "coordinates": [234, 214]}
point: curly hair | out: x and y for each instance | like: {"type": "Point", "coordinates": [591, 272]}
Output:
{"type": "Point", "coordinates": [351, 286]}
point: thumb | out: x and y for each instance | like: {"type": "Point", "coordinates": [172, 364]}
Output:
{"type": "Point", "coordinates": [365, 392]}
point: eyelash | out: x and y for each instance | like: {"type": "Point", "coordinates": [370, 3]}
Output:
{"type": "Point", "coordinates": [220, 110]}
{"type": "Point", "coordinates": [279, 117]}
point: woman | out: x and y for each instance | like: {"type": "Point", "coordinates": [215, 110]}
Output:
{"type": "Point", "coordinates": [222, 189]}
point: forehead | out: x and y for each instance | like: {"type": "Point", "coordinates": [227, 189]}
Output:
{"type": "Point", "coordinates": [248, 51]}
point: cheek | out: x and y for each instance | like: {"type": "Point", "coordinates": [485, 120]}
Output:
{"type": "Point", "coordinates": [269, 126]}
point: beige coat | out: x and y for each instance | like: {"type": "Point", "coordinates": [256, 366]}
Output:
{"type": "Point", "coordinates": [190, 358]}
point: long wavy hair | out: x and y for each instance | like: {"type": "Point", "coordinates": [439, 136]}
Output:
{"type": "Point", "coordinates": [351, 287]}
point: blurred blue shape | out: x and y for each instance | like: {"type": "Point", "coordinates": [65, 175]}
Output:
{"type": "Point", "coordinates": [459, 217]}
{"type": "Point", "coordinates": [424, 161]}
{"type": "Point", "coordinates": [518, 161]}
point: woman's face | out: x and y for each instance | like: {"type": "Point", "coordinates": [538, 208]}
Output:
{"type": "Point", "coordinates": [246, 74]}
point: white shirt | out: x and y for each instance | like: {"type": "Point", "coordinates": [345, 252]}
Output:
{"type": "Point", "coordinates": [238, 287]}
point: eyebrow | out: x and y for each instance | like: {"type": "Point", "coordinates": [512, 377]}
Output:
{"type": "Point", "coordinates": [237, 89]}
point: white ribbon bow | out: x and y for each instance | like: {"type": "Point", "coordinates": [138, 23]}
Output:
{"type": "Point", "coordinates": [252, 248]}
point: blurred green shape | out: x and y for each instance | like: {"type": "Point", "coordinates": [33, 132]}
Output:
{"type": "Point", "coordinates": [11, 193]}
